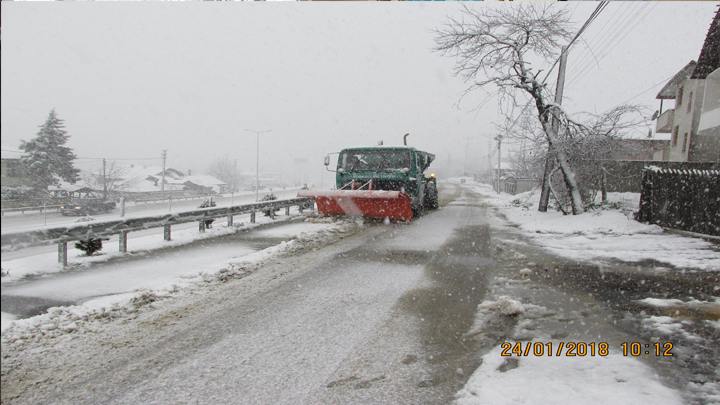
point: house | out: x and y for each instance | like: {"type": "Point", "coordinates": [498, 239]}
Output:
{"type": "Point", "coordinates": [71, 191]}
{"type": "Point", "coordinates": [204, 184]}
{"type": "Point", "coordinates": [148, 181]}
{"type": "Point", "coordinates": [12, 172]}
{"type": "Point", "coordinates": [694, 122]}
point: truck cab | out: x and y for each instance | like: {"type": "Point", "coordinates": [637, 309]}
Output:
{"type": "Point", "coordinates": [392, 168]}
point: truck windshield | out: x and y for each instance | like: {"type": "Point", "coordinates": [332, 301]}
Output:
{"type": "Point", "coordinates": [355, 160]}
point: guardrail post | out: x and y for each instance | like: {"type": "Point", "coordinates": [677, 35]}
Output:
{"type": "Point", "coordinates": [287, 210]}
{"type": "Point", "coordinates": [201, 226]}
{"type": "Point", "coordinates": [166, 232]}
{"type": "Point", "coordinates": [230, 220]}
{"type": "Point", "coordinates": [62, 253]}
{"type": "Point", "coordinates": [123, 242]}
{"type": "Point", "coordinates": [252, 217]}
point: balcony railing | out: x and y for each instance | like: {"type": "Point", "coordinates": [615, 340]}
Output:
{"type": "Point", "coordinates": [665, 122]}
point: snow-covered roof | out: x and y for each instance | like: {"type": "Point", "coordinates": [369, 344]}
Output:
{"type": "Point", "coordinates": [69, 187]}
{"type": "Point", "coordinates": [504, 165]}
{"type": "Point", "coordinates": [143, 172]}
{"type": "Point", "coordinates": [669, 91]}
{"type": "Point", "coordinates": [203, 180]}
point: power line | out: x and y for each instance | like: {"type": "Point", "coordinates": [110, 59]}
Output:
{"type": "Point", "coordinates": [587, 53]}
{"type": "Point", "coordinates": [94, 158]}
{"type": "Point", "coordinates": [590, 19]}
{"type": "Point", "coordinates": [615, 40]}
{"type": "Point", "coordinates": [85, 157]}
{"type": "Point", "coordinates": [640, 94]}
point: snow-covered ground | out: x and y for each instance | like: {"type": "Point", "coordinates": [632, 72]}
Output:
{"type": "Point", "coordinates": [597, 237]}
{"type": "Point", "coordinates": [602, 235]}
{"type": "Point", "coordinates": [160, 276]}
{"type": "Point", "coordinates": [602, 238]}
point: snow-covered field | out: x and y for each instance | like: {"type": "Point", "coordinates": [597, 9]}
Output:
{"type": "Point", "coordinates": [602, 235]}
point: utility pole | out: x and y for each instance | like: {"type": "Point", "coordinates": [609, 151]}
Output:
{"type": "Point", "coordinates": [499, 141]}
{"type": "Point", "coordinates": [257, 164]}
{"type": "Point", "coordinates": [232, 192]}
{"type": "Point", "coordinates": [550, 161]}
{"type": "Point", "coordinates": [490, 156]}
{"type": "Point", "coordinates": [467, 146]}
{"type": "Point", "coordinates": [162, 184]}
{"type": "Point", "coordinates": [104, 182]}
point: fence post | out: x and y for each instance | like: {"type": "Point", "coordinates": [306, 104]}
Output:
{"type": "Point", "coordinates": [123, 242]}
{"type": "Point", "coordinates": [166, 232]}
{"type": "Point", "coordinates": [62, 253]}
{"type": "Point", "coordinates": [645, 210]}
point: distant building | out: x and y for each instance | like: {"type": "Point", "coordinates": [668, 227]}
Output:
{"type": "Point", "coordinates": [694, 123]}
{"type": "Point", "coordinates": [13, 174]}
{"type": "Point", "coordinates": [642, 149]}
{"type": "Point", "coordinates": [149, 180]}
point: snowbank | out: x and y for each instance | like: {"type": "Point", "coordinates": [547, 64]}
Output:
{"type": "Point", "coordinates": [605, 234]}
{"type": "Point", "coordinates": [562, 380]}
{"type": "Point", "coordinates": [63, 320]}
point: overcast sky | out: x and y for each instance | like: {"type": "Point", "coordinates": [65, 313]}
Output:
{"type": "Point", "coordinates": [132, 79]}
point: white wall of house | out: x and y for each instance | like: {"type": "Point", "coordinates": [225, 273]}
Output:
{"type": "Point", "coordinates": [686, 102]}
{"type": "Point", "coordinates": [710, 117]}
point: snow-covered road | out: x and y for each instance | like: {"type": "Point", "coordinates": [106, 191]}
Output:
{"type": "Point", "coordinates": [364, 312]}
{"type": "Point", "coordinates": [300, 329]}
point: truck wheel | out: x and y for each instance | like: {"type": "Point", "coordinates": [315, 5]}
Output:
{"type": "Point", "coordinates": [417, 211]}
{"type": "Point", "coordinates": [431, 197]}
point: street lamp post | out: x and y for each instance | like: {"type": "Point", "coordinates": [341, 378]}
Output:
{"type": "Point", "coordinates": [257, 163]}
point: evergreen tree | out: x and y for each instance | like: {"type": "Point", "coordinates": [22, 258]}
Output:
{"type": "Point", "coordinates": [46, 159]}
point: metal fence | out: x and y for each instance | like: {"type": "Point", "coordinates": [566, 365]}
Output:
{"type": "Point", "coordinates": [687, 200]}
{"type": "Point", "coordinates": [22, 210]}
{"type": "Point", "coordinates": [85, 231]}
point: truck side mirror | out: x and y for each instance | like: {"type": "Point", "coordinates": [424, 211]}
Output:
{"type": "Point", "coordinates": [327, 160]}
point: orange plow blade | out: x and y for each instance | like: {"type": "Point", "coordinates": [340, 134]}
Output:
{"type": "Point", "coordinates": [368, 203]}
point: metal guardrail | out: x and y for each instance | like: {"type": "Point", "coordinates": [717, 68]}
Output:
{"type": "Point", "coordinates": [23, 209]}
{"type": "Point", "coordinates": [83, 231]}
{"type": "Point", "coordinates": [174, 198]}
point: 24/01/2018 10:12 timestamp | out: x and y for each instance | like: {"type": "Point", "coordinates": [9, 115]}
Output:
{"type": "Point", "coordinates": [583, 349]}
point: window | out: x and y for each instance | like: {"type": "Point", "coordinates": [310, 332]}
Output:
{"type": "Point", "coordinates": [689, 102]}
{"type": "Point", "coordinates": [678, 99]}
{"type": "Point", "coordinates": [685, 137]}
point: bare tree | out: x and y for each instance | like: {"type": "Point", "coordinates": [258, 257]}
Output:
{"type": "Point", "coordinates": [525, 130]}
{"type": "Point", "coordinates": [225, 169]}
{"type": "Point", "coordinates": [494, 46]}
{"type": "Point", "coordinates": [587, 146]}
{"type": "Point", "coordinates": [112, 180]}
